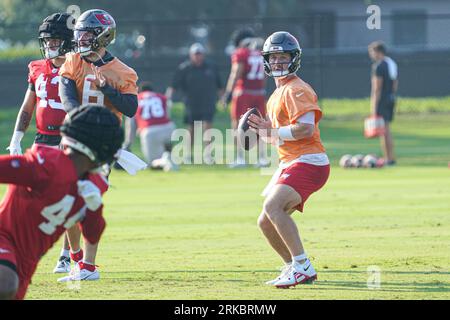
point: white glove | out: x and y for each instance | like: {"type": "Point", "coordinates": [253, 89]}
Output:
{"type": "Point", "coordinates": [90, 193]}
{"type": "Point", "coordinates": [14, 146]}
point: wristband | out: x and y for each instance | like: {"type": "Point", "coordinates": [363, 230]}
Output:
{"type": "Point", "coordinates": [285, 133]}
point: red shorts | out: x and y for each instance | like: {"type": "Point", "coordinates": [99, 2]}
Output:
{"type": "Point", "coordinates": [9, 258]}
{"type": "Point", "coordinates": [240, 104]}
{"type": "Point", "coordinates": [305, 179]}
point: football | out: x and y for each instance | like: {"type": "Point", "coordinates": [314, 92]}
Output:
{"type": "Point", "coordinates": [357, 161]}
{"type": "Point", "coordinates": [246, 138]}
{"type": "Point", "coordinates": [369, 161]}
{"type": "Point", "coordinates": [345, 161]}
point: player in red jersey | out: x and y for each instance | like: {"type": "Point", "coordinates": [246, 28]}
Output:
{"type": "Point", "coordinates": [55, 39]}
{"type": "Point", "coordinates": [246, 84]}
{"type": "Point", "coordinates": [152, 122]}
{"type": "Point", "coordinates": [51, 190]}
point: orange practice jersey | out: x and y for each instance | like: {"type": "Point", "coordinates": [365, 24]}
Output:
{"type": "Point", "coordinates": [117, 74]}
{"type": "Point", "coordinates": [286, 105]}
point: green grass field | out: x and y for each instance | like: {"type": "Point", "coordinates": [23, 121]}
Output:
{"type": "Point", "coordinates": [192, 234]}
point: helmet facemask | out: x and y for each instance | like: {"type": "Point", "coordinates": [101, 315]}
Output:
{"type": "Point", "coordinates": [89, 41]}
{"type": "Point", "coordinates": [85, 42]}
{"type": "Point", "coordinates": [51, 47]}
{"type": "Point", "coordinates": [291, 66]}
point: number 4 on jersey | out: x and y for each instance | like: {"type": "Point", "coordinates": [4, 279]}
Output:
{"type": "Point", "coordinates": [56, 214]}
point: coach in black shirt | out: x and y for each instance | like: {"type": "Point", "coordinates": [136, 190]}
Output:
{"type": "Point", "coordinates": [200, 84]}
{"type": "Point", "coordinates": [382, 100]}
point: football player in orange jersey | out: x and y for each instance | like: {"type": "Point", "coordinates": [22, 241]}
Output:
{"type": "Point", "coordinates": [292, 125]}
{"type": "Point", "coordinates": [93, 75]}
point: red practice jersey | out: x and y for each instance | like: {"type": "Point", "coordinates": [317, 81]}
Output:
{"type": "Point", "coordinates": [253, 77]}
{"type": "Point", "coordinates": [49, 109]}
{"type": "Point", "coordinates": [152, 109]}
{"type": "Point", "coordinates": [42, 201]}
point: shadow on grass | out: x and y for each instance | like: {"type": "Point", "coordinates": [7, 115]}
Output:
{"type": "Point", "coordinates": [271, 271]}
{"type": "Point", "coordinates": [386, 286]}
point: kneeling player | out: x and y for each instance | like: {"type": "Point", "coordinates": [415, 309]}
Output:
{"type": "Point", "coordinates": [50, 191]}
{"type": "Point", "coordinates": [152, 121]}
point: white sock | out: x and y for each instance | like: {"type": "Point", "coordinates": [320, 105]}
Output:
{"type": "Point", "coordinates": [298, 258]}
{"type": "Point", "coordinates": [64, 253]}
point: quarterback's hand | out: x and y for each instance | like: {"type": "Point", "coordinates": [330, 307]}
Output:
{"type": "Point", "coordinates": [90, 193]}
{"type": "Point", "coordinates": [258, 124]}
{"type": "Point", "coordinates": [100, 80]}
{"type": "Point", "coordinates": [263, 127]}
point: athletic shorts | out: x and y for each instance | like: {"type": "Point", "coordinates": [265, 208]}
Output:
{"type": "Point", "coordinates": [205, 114]}
{"type": "Point", "coordinates": [304, 178]}
{"type": "Point", "coordinates": [24, 270]}
{"type": "Point", "coordinates": [240, 104]}
{"type": "Point", "coordinates": [385, 109]}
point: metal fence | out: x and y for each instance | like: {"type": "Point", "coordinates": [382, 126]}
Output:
{"type": "Point", "coordinates": [334, 60]}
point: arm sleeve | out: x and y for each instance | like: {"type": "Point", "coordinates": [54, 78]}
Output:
{"type": "Point", "coordinates": [68, 93]}
{"type": "Point", "coordinates": [308, 118]}
{"type": "Point", "coordinates": [130, 133]}
{"type": "Point", "coordinates": [125, 103]}
{"type": "Point", "coordinates": [93, 225]}
{"type": "Point", "coordinates": [20, 170]}
{"type": "Point", "coordinates": [299, 102]}
{"type": "Point", "coordinates": [379, 70]}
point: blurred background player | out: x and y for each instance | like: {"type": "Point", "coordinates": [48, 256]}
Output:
{"type": "Point", "coordinates": [246, 84]}
{"type": "Point", "coordinates": [292, 125]}
{"type": "Point", "coordinates": [51, 190]}
{"type": "Point", "coordinates": [199, 81]}
{"type": "Point", "coordinates": [55, 40]}
{"type": "Point", "coordinates": [152, 122]}
{"type": "Point", "coordinates": [93, 75]}
{"type": "Point", "coordinates": [384, 84]}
